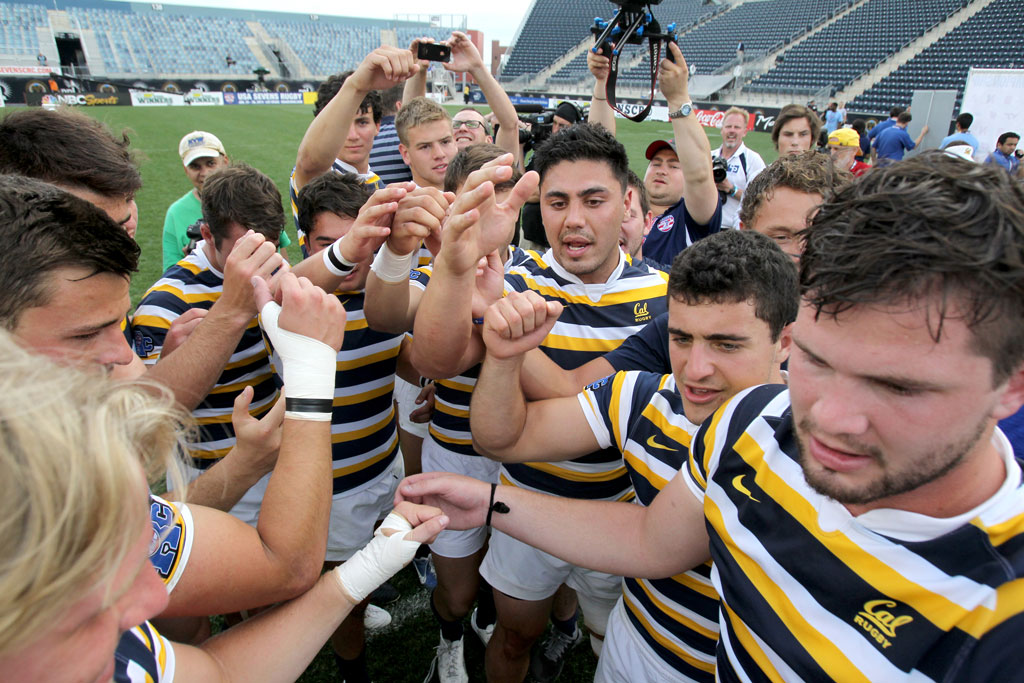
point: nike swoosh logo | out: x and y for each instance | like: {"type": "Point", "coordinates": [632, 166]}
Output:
{"type": "Point", "coordinates": [737, 483]}
{"type": "Point", "coordinates": [654, 444]}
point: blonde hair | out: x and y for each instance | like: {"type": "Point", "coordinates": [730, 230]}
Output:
{"type": "Point", "coordinates": [737, 110]}
{"type": "Point", "coordinates": [416, 112]}
{"type": "Point", "coordinates": [74, 448]}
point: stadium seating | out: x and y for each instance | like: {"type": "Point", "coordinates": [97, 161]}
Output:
{"type": "Point", "coordinates": [989, 39]}
{"type": "Point", "coordinates": [761, 26]}
{"type": "Point", "coordinates": [854, 44]}
{"type": "Point", "coordinates": [18, 25]}
{"type": "Point", "coordinates": [167, 43]}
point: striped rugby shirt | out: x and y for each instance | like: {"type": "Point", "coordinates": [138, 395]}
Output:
{"type": "Point", "coordinates": [194, 283]}
{"type": "Point", "coordinates": [364, 430]}
{"type": "Point", "coordinates": [385, 156]}
{"type": "Point", "coordinates": [810, 592]}
{"type": "Point", "coordinates": [597, 318]}
{"type": "Point", "coordinates": [143, 656]}
{"type": "Point", "coordinates": [641, 415]}
{"type": "Point", "coordinates": [449, 424]}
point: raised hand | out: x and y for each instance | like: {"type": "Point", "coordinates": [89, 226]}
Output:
{"type": "Point", "coordinates": [479, 224]}
{"type": "Point", "coordinates": [417, 219]}
{"type": "Point", "coordinates": [383, 68]}
{"type": "Point", "coordinates": [465, 56]}
{"type": "Point", "coordinates": [252, 256]}
{"type": "Point", "coordinates": [518, 323]}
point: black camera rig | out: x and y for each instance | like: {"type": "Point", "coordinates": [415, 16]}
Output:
{"type": "Point", "coordinates": [633, 23]}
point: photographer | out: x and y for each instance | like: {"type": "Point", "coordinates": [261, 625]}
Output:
{"type": "Point", "coordinates": [741, 165]}
{"type": "Point", "coordinates": [679, 180]}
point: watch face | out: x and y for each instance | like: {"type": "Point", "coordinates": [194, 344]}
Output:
{"type": "Point", "coordinates": [686, 110]}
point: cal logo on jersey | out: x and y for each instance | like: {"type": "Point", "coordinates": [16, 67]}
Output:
{"type": "Point", "coordinates": [165, 549]}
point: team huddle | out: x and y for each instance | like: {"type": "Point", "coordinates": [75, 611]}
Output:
{"type": "Point", "coordinates": [736, 428]}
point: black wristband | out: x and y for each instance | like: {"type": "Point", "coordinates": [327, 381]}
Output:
{"type": "Point", "coordinates": [308, 405]}
{"type": "Point", "coordinates": [336, 264]}
{"type": "Point", "coordinates": [493, 507]}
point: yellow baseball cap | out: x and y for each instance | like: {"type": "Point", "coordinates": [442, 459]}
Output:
{"type": "Point", "coordinates": [844, 137]}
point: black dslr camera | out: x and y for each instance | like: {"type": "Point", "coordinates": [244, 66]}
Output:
{"type": "Point", "coordinates": [719, 171]}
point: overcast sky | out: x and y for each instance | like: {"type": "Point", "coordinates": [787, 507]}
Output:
{"type": "Point", "coordinates": [498, 22]}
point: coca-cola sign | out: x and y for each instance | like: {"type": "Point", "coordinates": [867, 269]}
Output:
{"type": "Point", "coordinates": [709, 118]}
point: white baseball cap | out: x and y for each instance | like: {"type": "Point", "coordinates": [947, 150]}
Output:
{"type": "Point", "coordinates": [199, 144]}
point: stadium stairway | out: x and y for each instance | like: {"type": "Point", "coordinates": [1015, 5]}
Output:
{"type": "Point", "coordinates": [869, 79]}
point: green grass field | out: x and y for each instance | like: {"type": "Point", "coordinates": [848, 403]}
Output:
{"type": "Point", "coordinates": [267, 137]}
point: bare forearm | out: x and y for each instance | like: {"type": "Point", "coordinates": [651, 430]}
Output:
{"type": "Point", "coordinates": [276, 645]}
{"type": "Point", "coordinates": [444, 324]}
{"type": "Point", "coordinates": [497, 412]}
{"type": "Point", "coordinates": [326, 134]}
{"type": "Point", "coordinates": [415, 86]}
{"type": "Point", "coordinates": [388, 307]}
{"type": "Point", "coordinates": [223, 485]}
{"type": "Point", "coordinates": [600, 111]}
{"type": "Point", "coordinates": [193, 368]}
{"type": "Point", "coordinates": [296, 507]}
{"type": "Point", "coordinates": [601, 535]}
{"type": "Point", "coordinates": [699, 190]}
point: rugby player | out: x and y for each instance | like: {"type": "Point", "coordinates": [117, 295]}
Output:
{"type": "Point", "coordinates": [61, 249]}
{"type": "Point", "coordinates": [732, 297]}
{"type": "Point", "coordinates": [879, 471]}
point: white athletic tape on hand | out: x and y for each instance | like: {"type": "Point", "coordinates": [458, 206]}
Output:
{"type": "Point", "coordinates": [379, 560]}
{"type": "Point", "coordinates": [390, 267]}
{"type": "Point", "coordinates": [308, 370]}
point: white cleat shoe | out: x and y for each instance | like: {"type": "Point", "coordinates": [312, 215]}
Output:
{"type": "Point", "coordinates": [376, 618]}
{"type": "Point", "coordinates": [484, 633]}
{"type": "Point", "coordinates": [451, 663]}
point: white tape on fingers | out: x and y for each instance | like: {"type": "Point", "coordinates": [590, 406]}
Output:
{"type": "Point", "coordinates": [379, 560]}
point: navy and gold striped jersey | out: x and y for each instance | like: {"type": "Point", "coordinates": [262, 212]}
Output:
{"type": "Point", "coordinates": [811, 592]}
{"type": "Point", "coordinates": [641, 415]}
{"type": "Point", "coordinates": [173, 533]}
{"type": "Point", "coordinates": [597, 318]}
{"type": "Point", "coordinates": [449, 424]}
{"type": "Point", "coordinates": [143, 656]}
{"type": "Point", "coordinates": [364, 430]}
{"type": "Point", "coordinates": [194, 283]}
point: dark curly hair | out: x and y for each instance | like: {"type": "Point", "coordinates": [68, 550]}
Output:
{"type": "Point", "coordinates": [329, 88]}
{"type": "Point", "coordinates": [733, 266]}
{"type": "Point", "coordinates": [933, 230]}
{"type": "Point", "coordinates": [583, 142]}
{"type": "Point", "coordinates": [342, 194]}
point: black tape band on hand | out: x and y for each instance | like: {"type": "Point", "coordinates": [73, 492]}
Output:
{"type": "Point", "coordinates": [498, 507]}
{"type": "Point", "coordinates": [308, 405]}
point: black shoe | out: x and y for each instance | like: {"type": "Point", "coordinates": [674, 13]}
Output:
{"type": "Point", "coordinates": [546, 661]}
{"type": "Point", "coordinates": [385, 595]}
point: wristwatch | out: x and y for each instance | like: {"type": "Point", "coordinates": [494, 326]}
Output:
{"type": "Point", "coordinates": [685, 110]}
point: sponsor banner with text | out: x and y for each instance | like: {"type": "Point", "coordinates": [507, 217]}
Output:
{"type": "Point", "coordinates": [86, 99]}
{"type": "Point", "coordinates": [263, 98]}
{"type": "Point", "coordinates": [199, 98]}
{"type": "Point", "coordinates": [29, 70]}
{"type": "Point", "coordinates": [156, 99]}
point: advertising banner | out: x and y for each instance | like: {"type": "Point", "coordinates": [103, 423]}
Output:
{"type": "Point", "coordinates": [28, 70]}
{"type": "Point", "coordinates": [156, 99]}
{"type": "Point", "coordinates": [199, 98]}
{"type": "Point", "coordinates": [87, 99]}
{"type": "Point", "coordinates": [263, 98]}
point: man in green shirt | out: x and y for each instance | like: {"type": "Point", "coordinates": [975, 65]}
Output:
{"type": "Point", "coordinates": [202, 153]}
